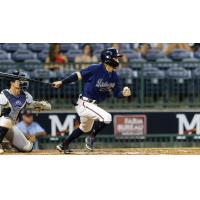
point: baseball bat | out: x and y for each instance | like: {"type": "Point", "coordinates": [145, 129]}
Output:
{"type": "Point", "coordinates": [12, 76]}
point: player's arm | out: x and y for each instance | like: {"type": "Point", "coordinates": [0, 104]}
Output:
{"type": "Point", "coordinates": [69, 79]}
{"type": "Point", "coordinates": [3, 102]}
{"type": "Point", "coordinates": [120, 92]}
{"type": "Point", "coordinates": [84, 74]}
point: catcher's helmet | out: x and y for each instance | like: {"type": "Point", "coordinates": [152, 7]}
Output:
{"type": "Point", "coordinates": [23, 84]}
{"type": "Point", "coordinates": [108, 55]}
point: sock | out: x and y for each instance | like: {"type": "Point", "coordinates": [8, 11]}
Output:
{"type": "Point", "coordinates": [75, 134]}
{"type": "Point", "coordinates": [97, 128]}
{"type": "Point", "coordinates": [3, 132]}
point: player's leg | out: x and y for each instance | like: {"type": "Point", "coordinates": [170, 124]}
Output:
{"type": "Point", "coordinates": [5, 124]}
{"type": "Point", "coordinates": [18, 140]}
{"type": "Point", "coordinates": [85, 127]}
{"type": "Point", "coordinates": [104, 119]}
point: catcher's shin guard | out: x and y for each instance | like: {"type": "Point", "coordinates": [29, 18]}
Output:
{"type": "Point", "coordinates": [3, 132]}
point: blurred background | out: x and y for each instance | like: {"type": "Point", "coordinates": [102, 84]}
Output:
{"type": "Point", "coordinates": [164, 79]}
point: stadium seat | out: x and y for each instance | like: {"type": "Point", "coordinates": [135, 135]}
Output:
{"type": "Point", "coordinates": [197, 54]}
{"type": "Point", "coordinates": [131, 54]}
{"type": "Point", "coordinates": [137, 63]}
{"type": "Point", "coordinates": [32, 64]}
{"type": "Point", "coordinates": [6, 65]}
{"type": "Point", "coordinates": [178, 73]}
{"type": "Point", "coordinates": [43, 55]}
{"type": "Point", "coordinates": [22, 55]}
{"type": "Point", "coordinates": [41, 74]}
{"type": "Point", "coordinates": [196, 73]}
{"type": "Point", "coordinates": [125, 46]}
{"type": "Point", "coordinates": [4, 55]}
{"type": "Point", "coordinates": [179, 54]}
{"type": "Point", "coordinates": [97, 46]}
{"type": "Point", "coordinates": [164, 63]}
{"type": "Point", "coordinates": [190, 63]}
{"type": "Point", "coordinates": [152, 73]}
{"type": "Point", "coordinates": [154, 54]}
{"type": "Point", "coordinates": [12, 47]}
{"type": "Point", "coordinates": [71, 54]}
{"type": "Point", "coordinates": [37, 47]}
{"type": "Point", "coordinates": [64, 47]}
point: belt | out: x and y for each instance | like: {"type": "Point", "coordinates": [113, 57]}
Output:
{"type": "Point", "coordinates": [87, 99]}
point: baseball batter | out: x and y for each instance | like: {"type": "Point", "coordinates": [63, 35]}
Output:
{"type": "Point", "coordinates": [12, 101]}
{"type": "Point", "coordinates": [100, 81]}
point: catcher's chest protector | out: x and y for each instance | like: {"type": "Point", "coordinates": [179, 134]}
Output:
{"type": "Point", "coordinates": [16, 105]}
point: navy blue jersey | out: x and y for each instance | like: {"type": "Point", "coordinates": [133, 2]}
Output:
{"type": "Point", "coordinates": [99, 84]}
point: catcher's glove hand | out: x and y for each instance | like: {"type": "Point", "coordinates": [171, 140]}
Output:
{"type": "Point", "coordinates": [126, 92]}
{"type": "Point", "coordinates": [41, 106]}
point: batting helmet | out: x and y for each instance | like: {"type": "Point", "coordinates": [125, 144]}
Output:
{"type": "Point", "coordinates": [108, 55]}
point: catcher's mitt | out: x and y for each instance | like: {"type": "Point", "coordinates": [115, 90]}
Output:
{"type": "Point", "coordinates": [40, 106]}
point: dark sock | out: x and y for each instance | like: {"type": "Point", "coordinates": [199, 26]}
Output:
{"type": "Point", "coordinates": [75, 134]}
{"type": "Point", "coordinates": [97, 128]}
{"type": "Point", "coordinates": [3, 132]}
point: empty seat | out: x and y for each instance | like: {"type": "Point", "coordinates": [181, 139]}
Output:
{"type": "Point", "coordinates": [21, 55]}
{"type": "Point", "coordinates": [4, 55]}
{"type": "Point", "coordinates": [38, 47]}
{"type": "Point", "coordinates": [154, 54]}
{"type": "Point", "coordinates": [6, 65]}
{"type": "Point", "coordinates": [125, 46]}
{"type": "Point", "coordinates": [178, 73]}
{"type": "Point", "coordinates": [152, 73]}
{"type": "Point", "coordinates": [97, 46]}
{"type": "Point", "coordinates": [197, 54]}
{"type": "Point", "coordinates": [71, 54]}
{"type": "Point", "coordinates": [131, 54]}
{"type": "Point", "coordinates": [32, 64]}
{"type": "Point", "coordinates": [12, 47]}
{"type": "Point", "coordinates": [179, 54]}
{"type": "Point", "coordinates": [41, 74]}
{"type": "Point", "coordinates": [64, 47]}
{"type": "Point", "coordinates": [137, 63]}
{"type": "Point", "coordinates": [164, 63]}
{"type": "Point", "coordinates": [190, 63]}
{"type": "Point", "coordinates": [43, 55]}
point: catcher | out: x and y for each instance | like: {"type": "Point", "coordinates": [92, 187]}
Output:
{"type": "Point", "coordinates": [12, 101]}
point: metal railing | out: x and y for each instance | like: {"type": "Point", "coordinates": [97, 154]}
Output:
{"type": "Point", "coordinates": [148, 141]}
{"type": "Point", "coordinates": [147, 91]}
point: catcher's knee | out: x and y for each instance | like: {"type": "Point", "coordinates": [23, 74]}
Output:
{"type": "Point", "coordinates": [28, 147]}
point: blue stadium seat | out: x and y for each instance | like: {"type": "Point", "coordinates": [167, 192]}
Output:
{"type": "Point", "coordinates": [196, 73]}
{"type": "Point", "coordinates": [178, 73]}
{"type": "Point", "coordinates": [164, 63]}
{"type": "Point", "coordinates": [179, 54]}
{"type": "Point", "coordinates": [197, 54]}
{"type": "Point", "coordinates": [153, 73]}
{"type": "Point", "coordinates": [12, 47]}
{"type": "Point", "coordinates": [190, 63]}
{"type": "Point", "coordinates": [137, 63]}
{"type": "Point", "coordinates": [125, 46]}
{"type": "Point", "coordinates": [41, 74]}
{"type": "Point", "coordinates": [71, 54]}
{"type": "Point", "coordinates": [43, 55]}
{"type": "Point", "coordinates": [64, 47]}
{"type": "Point", "coordinates": [6, 65]}
{"type": "Point", "coordinates": [154, 54]}
{"type": "Point", "coordinates": [97, 46]}
{"type": "Point", "coordinates": [98, 53]}
{"type": "Point", "coordinates": [131, 54]}
{"type": "Point", "coordinates": [4, 55]}
{"type": "Point", "coordinates": [37, 47]}
{"type": "Point", "coordinates": [126, 75]}
{"type": "Point", "coordinates": [32, 64]}
{"type": "Point", "coordinates": [22, 55]}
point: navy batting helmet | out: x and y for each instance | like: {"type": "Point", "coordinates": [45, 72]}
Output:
{"type": "Point", "coordinates": [108, 55]}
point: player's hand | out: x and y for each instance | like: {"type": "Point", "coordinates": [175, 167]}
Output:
{"type": "Point", "coordinates": [56, 84]}
{"type": "Point", "coordinates": [126, 92]}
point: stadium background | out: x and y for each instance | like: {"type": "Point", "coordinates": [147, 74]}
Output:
{"type": "Point", "coordinates": [162, 112]}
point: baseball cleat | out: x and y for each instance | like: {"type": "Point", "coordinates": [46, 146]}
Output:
{"type": "Point", "coordinates": [89, 143]}
{"type": "Point", "coordinates": [1, 149]}
{"type": "Point", "coordinates": [65, 150]}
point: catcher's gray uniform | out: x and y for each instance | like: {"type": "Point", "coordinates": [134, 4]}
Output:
{"type": "Point", "coordinates": [10, 108]}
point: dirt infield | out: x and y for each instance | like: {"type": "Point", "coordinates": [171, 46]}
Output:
{"type": "Point", "coordinates": [119, 151]}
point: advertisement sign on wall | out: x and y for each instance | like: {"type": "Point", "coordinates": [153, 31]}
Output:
{"type": "Point", "coordinates": [129, 125]}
